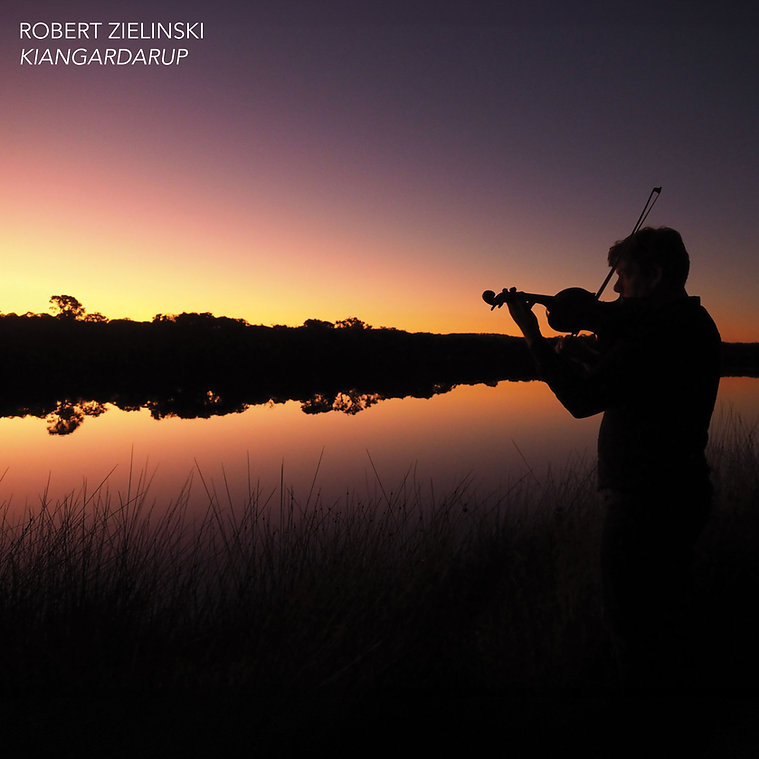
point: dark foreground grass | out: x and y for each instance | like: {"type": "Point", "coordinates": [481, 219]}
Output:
{"type": "Point", "coordinates": [289, 623]}
{"type": "Point", "coordinates": [102, 591]}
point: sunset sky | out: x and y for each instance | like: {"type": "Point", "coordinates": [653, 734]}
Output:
{"type": "Point", "coordinates": [383, 160]}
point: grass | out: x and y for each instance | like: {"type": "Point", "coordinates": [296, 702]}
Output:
{"type": "Point", "coordinates": [408, 593]}
{"type": "Point", "coordinates": [102, 590]}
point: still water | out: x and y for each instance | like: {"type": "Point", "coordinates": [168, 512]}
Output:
{"type": "Point", "coordinates": [490, 436]}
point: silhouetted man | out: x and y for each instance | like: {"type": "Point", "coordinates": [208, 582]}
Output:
{"type": "Point", "coordinates": [655, 379]}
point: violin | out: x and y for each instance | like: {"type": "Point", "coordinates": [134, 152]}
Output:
{"type": "Point", "coordinates": [574, 309]}
{"type": "Point", "coordinates": [571, 310]}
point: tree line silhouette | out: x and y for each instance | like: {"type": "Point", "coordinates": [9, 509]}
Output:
{"type": "Point", "coordinates": [66, 365]}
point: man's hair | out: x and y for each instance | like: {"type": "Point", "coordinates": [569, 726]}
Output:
{"type": "Point", "coordinates": [655, 248]}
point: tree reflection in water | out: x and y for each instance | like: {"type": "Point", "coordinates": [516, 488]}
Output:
{"type": "Point", "coordinates": [349, 402]}
{"type": "Point", "coordinates": [65, 416]}
{"type": "Point", "coordinates": [68, 416]}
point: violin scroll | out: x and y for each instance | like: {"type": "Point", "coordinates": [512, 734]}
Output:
{"type": "Point", "coordinates": [493, 300]}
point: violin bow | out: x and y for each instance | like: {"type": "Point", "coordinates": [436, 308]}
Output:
{"type": "Point", "coordinates": [652, 198]}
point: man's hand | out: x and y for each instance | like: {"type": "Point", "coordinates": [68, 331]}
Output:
{"type": "Point", "coordinates": [579, 351]}
{"type": "Point", "coordinates": [520, 308]}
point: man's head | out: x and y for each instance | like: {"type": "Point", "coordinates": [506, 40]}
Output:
{"type": "Point", "coordinates": [651, 262]}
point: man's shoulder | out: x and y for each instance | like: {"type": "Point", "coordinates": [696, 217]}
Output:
{"type": "Point", "coordinates": [703, 322]}
{"type": "Point", "coordinates": [687, 317]}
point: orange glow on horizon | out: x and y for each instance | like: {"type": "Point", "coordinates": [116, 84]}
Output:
{"type": "Point", "coordinates": [143, 231]}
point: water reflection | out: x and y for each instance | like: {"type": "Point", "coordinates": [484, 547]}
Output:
{"type": "Point", "coordinates": [66, 416]}
{"type": "Point", "coordinates": [492, 435]}
{"type": "Point", "coordinates": [478, 430]}
{"type": "Point", "coordinates": [348, 402]}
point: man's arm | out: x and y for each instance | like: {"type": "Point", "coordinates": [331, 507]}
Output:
{"type": "Point", "coordinates": [582, 393]}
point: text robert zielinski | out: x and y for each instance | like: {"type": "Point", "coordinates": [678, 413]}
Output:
{"type": "Point", "coordinates": [112, 30]}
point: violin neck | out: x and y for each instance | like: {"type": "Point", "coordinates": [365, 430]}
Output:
{"type": "Point", "coordinates": [545, 300]}
{"type": "Point", "coordinates": [497, 300]}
